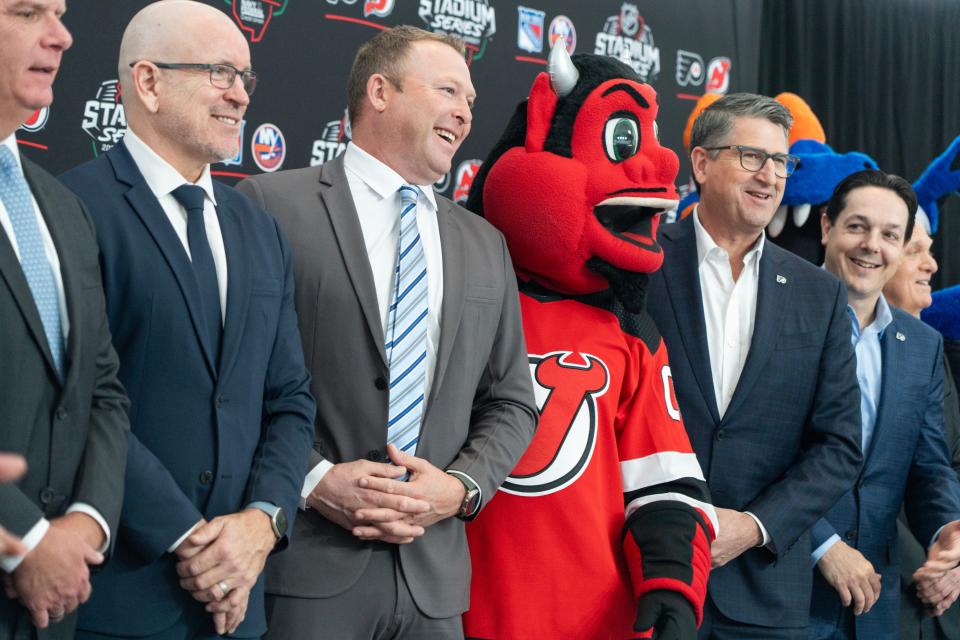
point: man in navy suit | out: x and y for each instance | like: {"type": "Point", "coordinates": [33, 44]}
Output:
{"type": "Point", "coordinates": [764, 372]}
{"type": "Point", "coordinates": [199, 289]}
{"type": "Point", "coordinates": [856, 590]}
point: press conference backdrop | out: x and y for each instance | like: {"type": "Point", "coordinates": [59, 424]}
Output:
{"type": "Point", "coordinates": [302, 50]}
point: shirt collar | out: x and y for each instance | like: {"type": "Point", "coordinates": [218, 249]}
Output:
{"type": "Point", "coordinates": [881, 319]}
{"type": "Point", "coordinates": [160, 175]}
{"type": "Point", "coordinates": [10, 142]}
{"type": "Point", "coordinates": [706, 245]}
{"type": "Point", "coordinates": [381, 179]}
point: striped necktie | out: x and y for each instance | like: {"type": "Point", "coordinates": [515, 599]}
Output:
{"type": "Point", "coordinates": [15, 194]}
{"type": "Point", "coordinates": [406, 335]}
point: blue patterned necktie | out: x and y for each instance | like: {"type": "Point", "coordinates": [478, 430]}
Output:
{"type": "Point", "coordinates": [406, 343]}
{"type": "Point", "coordinates": [16, 197]}
{"type": "Point", "coordinates": [191, 198]}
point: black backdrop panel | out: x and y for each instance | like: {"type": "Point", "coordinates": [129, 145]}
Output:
{"type": "Point", "coordinates": [302, 50]}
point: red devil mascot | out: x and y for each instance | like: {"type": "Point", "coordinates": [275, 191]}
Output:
{"type": "Point", "coordinates": [603, 530]}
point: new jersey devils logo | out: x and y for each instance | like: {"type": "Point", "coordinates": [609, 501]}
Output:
{"type": "Point", "coordinates": [566, 387]}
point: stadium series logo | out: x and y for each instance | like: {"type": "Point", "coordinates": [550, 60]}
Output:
{"type": "Point", "coordinates": [253, 16]}
{"type": "Point", "coordinates": [37, 120]}
{"type": "Point", "coordinates": [626, 36]}
{"type": "Point", "coordinates": [472, 20]}
{"type": "Point", "coordinates": [268, 147]}
{"type": "Point", "coordinates": [530, 29]}
{"type": "Point", "coordinates": [103, 117]}
{"type": "Point", "coordinates": [332, 142]}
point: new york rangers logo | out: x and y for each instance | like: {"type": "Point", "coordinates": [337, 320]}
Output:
{"type": "Point", "coordinates": [566, 387]}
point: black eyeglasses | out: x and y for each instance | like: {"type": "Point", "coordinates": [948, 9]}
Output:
{"type": "Point", "coordinates": [753, 159]}
{"type": "Point", "coordinates": [222, 76]}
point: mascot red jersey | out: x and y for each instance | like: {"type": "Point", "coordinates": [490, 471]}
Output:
{"type": "Point", "coordinates": [603, 530]}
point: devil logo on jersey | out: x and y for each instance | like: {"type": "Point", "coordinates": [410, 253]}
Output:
{"type": "Point", "coordinates": [567, 387]}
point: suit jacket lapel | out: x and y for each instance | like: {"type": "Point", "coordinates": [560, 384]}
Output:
{"type": "Point", "coordinates": [683, 287]}
{"type": "Point", "coordinates": [335, 194]}
{"type": "Point", "coordinates": [453, 289]}
{"type": "Point", "coordinates": [891, 351]}
{"type": "Point", "coordinates": [12, 273]}
{"type": "Point", "coordinates": [773, 297]}
{"type": "Point", "coordinates": [145, 204]}
{"type": "Point", "coordinates": [238, 282]}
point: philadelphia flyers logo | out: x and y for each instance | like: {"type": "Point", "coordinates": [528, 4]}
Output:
{"type": "Point", "coordinates": [566, 387]}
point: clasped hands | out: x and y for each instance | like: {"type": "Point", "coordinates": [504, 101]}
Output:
{"type": "Point", "coordinates": [938, 580]}
{"type": "Point", "coordinates": [371, 500]}
{"type": "Point", "coordinates": [220, 561]}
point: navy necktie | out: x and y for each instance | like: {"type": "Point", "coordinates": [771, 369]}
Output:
{"type": "Point", "coordinates": [15, 194]}
{"type": "Point", "coordinates": [191, 197]}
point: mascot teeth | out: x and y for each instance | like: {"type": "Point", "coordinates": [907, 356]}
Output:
{"type": "Point", "coordinates": [800, 214]}
{"type": "Point", "coordinates": [779, 221]}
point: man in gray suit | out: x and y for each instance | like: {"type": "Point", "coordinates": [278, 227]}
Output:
{"type": "Point", "coordinates": [410, 322]}
{"type": "Point", "coordinates": [61, 406]}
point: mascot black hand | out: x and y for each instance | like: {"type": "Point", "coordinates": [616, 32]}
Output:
{"type": "Point", "coordinates": [670, 615]}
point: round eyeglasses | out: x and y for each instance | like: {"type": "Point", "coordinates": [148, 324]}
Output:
{"type": "Point", "coordinates": [753, 159]}
{"type": "Point", "coordinates": [222, 76]}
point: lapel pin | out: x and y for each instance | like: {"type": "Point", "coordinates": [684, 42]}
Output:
{"type": "Point", "coordinates": [901, 337]}
{"type": "Point", "coordinates": [781, 279]}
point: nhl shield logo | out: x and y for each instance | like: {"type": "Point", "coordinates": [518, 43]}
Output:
{"type": "Point", "coordinates": [530, 29]}
{"type": "Point", "coordinates": [253, 16]}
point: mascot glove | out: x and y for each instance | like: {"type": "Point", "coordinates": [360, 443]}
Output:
{"type": "Point", "coordinates": [669, 615]}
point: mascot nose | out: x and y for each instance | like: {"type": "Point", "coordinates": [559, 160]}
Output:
{"type": "Point", "coordinates": [658, 166]}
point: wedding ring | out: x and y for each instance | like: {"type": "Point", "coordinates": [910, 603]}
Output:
{"type": "Point", "coordinates": [223, 587]}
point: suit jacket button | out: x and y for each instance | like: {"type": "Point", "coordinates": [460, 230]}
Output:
{"type": "Point", "coordinates": [720, 434]}
{"type": "Point", "coordinates": [850, 535]}
{"type": "Point", "coordinates": [380, 383]}
{"type": "Point", "coordinates": [861, 484]}
{"type": "Point", "coordinates": [46, 495]}
{"type": "Point", "coordinates": [220, 401]}
{"type": "Point", "coordinates": [61, 413]}
{"type": "Point", "coordinates": [206, 477]}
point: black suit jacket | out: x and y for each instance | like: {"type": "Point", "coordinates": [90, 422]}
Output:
{"type": "Point", "coordinates": [788, 445]}
{"type": "Point", "coordinates": [73, 434]}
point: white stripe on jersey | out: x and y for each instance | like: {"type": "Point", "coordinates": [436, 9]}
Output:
{"type": "Point", "coordinates": [707, 509]}
{"type": "Point", "coordinates": [658, 468]}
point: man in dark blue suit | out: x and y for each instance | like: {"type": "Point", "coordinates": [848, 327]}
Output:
{"type": "Point", "coordinates": [764, 372]}
{"type": "Point", "coordinates": [199, 289]}
{"type": "Point", "coordinates": [856, 590]}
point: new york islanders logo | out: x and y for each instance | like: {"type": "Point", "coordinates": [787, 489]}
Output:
{"type": "Point", "coordinates": [566, 387]}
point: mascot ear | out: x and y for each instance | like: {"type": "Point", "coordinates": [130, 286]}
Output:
{"type": "Point", "coordinates": [540, 107]}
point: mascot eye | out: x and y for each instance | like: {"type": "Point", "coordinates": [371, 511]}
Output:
{"type": "Point", "coordinates": [621, 137]}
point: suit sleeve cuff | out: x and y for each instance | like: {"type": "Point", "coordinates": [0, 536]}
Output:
{"type": "Point", "coordinates": [823, 548]}
{"type": "Point", "coordinates": [173, 547]}
{"type": "Point", "coordinates": [460, 475]}
{"type": "Point", "coordinates": [83, 507]}
{"type": "Point", "coordinates": [30, 541]}
{"type": "Point", "coordinates": [936, 534]}
{"type": "Point", "coordinates": [312, 480]}
{"type": "Point", "coordinates": [763, 530]}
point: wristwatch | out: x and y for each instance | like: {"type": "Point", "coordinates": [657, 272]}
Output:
{"type": "Point", "coordinates": [278, 519]}
{"type": "Point", "coordinates": [471, 500]}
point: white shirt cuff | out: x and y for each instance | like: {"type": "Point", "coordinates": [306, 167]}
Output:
{"type": "Point", "coordinates": [935, 536]}
{"type": "Point", "coordinates": [312, 480]}
{"type": "Point", "coordinates": [173, 547]}
{"type": "Point", "coordinates": [30, 541]}
{"type": "Point", "coordinates": [454, 472]}
{"type": "Point", "coordinates": [83, 507]}
{"type": "Point", "coordinates": [823, 548]}
{"type": "Point", "coordinates": [763, 530]}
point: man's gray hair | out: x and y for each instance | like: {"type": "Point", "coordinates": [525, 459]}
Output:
{"type": "Point", "coordinates": [716, 121]}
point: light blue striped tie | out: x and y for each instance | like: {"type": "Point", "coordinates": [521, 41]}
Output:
{"type": "Point", "coordinates": [15, 194]}
{"type": "Point", "coordinates": [407, 331]}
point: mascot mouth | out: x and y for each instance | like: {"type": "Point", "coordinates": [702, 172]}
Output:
{"type": "Point", "coordinates": [631, 219]}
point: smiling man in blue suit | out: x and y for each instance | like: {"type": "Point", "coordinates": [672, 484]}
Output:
{"type": "Point", "coordinates": [856, 590]}
{"type": "Point", "coordinates": [199, 290]}
{"type": "Point", "coordinates": [763, 369]}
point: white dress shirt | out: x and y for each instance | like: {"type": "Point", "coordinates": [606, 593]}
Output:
{"type": "Point", "coordinates": [374, 187]}
{"type": "Point", "coordinates": [162, 179]}
{"type": "Point", "coordinates": [36, 533]}
{"type": "Point", "coordinates": [729, 313]}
